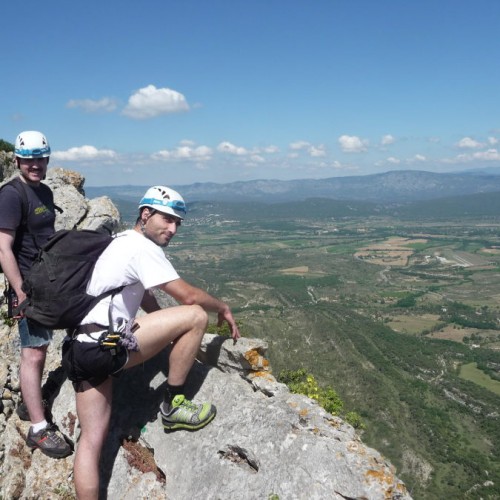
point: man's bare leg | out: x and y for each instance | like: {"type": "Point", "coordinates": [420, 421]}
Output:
{"type": "Point", "coordinates": [94, 410]}
{"type": "Point", "coordinates": [30, 372]}
{"type": "Point", "coordinates": [183, 324]}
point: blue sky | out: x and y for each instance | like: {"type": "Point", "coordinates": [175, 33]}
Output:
{"type": "Point", "coordinates": [177, 92]}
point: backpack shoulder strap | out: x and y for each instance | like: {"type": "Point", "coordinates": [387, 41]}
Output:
{"type": "Point", "coordinates": [51, 193]}
{"type": "Point", "coordinates": [19, 186]}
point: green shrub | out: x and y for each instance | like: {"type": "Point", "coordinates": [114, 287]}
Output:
{"type": "Point", "coordinates": [301, 382]}
{"type": "Point", "coordinates": [355, 420]}
{"type": "Point", "coordinates": [222, 330]}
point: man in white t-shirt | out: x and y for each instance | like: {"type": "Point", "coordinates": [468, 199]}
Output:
{"type": "Point", "coordinates": [135, 261]}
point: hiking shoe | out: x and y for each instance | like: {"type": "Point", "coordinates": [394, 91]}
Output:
{"type": "Point", "coordinates": [50, 442]}
{"type": "Point", "coordinates": [23, 413]}
{"type": "Point", "coordinates": [185, 414]}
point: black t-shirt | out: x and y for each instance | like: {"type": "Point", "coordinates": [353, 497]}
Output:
{"type": "Point", "coordinates": [40, 222]}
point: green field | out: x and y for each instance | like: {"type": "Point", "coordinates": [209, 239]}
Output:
{"type": "Point", "coordinates": [471, 372]}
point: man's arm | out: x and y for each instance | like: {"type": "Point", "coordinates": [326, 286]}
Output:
{"type": "Point", "coordinates": [9, 262]}
{"type": "Point", "coordinates": [188, 294]}
{"type": "Point", "coordinates": [149, 303]}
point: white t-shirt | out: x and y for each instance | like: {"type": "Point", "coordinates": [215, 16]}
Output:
{"type": "Point", "coordinates": [131, 260]}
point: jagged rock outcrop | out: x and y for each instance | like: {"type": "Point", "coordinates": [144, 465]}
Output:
{"type": "Point", "coordinates": [264, 443]}
{"type": "Point", "coordinates": [78, 211]}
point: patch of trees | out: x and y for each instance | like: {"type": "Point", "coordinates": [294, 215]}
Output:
{"type": "Point", "coordinates": [6, 146]}
{"type": "Point", "coordinates": [470, 317]}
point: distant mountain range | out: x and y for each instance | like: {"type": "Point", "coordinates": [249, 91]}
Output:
{"type": "Point", "coordinates": [395, 186]}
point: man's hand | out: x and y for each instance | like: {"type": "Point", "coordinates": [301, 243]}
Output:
{"type": "Point", "coordinates": [188, 294]}
{"type": "Point", "coordinates": [228, 317]}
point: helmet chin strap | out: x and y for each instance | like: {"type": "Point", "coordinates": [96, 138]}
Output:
{"type": "Point", "coordinates": [143, 224]}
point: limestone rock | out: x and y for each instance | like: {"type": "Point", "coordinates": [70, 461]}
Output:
{"type": "Point", "coordinates": [7, 165]}
{"type": "Point", "coordinates": [60, 178]}
{"type": "Point", "coordinates": [79, 212]}
{"type": "Point", "coordinates": [102, 213]}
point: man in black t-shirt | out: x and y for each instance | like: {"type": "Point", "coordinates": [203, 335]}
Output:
{"type": "Point", "coordinates": [22, 233]}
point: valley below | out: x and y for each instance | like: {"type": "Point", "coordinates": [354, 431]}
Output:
{"type": "Point", "coordinates": [399, 314]}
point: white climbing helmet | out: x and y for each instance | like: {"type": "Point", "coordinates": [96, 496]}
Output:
{"type": "Point", "coordinates": [164, 200]}
{"type": "Point", "coordinates": [32, 144]}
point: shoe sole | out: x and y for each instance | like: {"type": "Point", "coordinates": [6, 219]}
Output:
{"type": "Point", "coordinates": [173, 426]}
{"type": "Point", "coordinates": [50, 453]}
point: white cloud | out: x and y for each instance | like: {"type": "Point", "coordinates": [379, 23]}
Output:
{"type": "Point", "coordinates": [418, 157]}
{"type": "Point", "coordinates": [149, 102]}
{"type": "Point", "coordinates": [468, 143]}
{"type": "Point", "coordinates": [271, 149]}
{"type": "Point", "coordinates": [313, 151]}
{"type": "Point", "coordinates": [184, 152]}
{"type": "Point", "coordinates": [393, 160]}
{"type": "Point", "coordinates": [387, 139]}
{"type": "Point", "coordinates": [352, 144]}
{"type": "Point", "coordinates": [299, 145]}
{"type": "Point", "coordinates": [84, 153]}
{"type": "Point", "coordinates": [227, 147]}
{"type": "Point", "coordinates": [257, 159]}
{"type": "Point", "coordinates": [492, 140]}
{"type": "Point", "coordinates": [490, 155]}
{"type": "Point", "coordinates": [317, 151]}
{"type": "Point", "coordinates": [105, 104]}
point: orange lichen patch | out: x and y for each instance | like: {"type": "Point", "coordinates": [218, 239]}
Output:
{"type": "Point", "coordinates": [256, 360]}
{"type": "Point", "coordinates": [381, 475]}
{"type": "Point", "coordinates": [384, 477]}
{"type": "Point", "coordinates": [261, 374]}
{"type": "Point", "coordinates": [304, 412]}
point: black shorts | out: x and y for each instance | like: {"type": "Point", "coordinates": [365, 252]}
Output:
{"type": "Point", "coordinates": [88, 362]}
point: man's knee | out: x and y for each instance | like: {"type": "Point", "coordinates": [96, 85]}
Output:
{"type": "Point", "coordinates": [34, 355]}
{"type": "Point", "coordinates": [200, 316]}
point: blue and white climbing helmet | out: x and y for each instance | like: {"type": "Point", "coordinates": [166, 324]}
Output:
{"type": "Point", "coordinates": [32, 144]}
{"type": "Point", "coordinates": [164, 200]}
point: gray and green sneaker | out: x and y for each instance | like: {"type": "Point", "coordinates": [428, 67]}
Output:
{"type": "Point", "coordinates": [185, 414]}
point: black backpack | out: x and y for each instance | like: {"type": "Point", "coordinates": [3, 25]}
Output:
{"type": "Point", "coordinates": [56, 285]}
